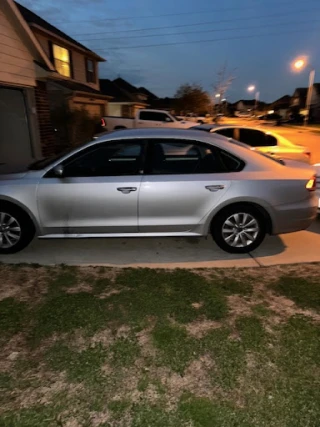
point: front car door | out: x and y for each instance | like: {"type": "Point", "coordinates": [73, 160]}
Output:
{"type": "Point", "coordinates": [98, 192]}
{"type": "Point", "coordinates": [183, 182]}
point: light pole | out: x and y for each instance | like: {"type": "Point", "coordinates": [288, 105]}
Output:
{"type": "Point", "coordinates": [300, 64]}
{"type": "Point", "coordinates": [252, 88]}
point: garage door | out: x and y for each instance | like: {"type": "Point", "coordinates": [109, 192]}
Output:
{"type": "Point", "coordinates": [93, 109]}
{"type": "Point", "coordinates": [15, 142]}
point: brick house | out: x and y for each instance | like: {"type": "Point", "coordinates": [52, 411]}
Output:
{"type": "Point", "coordinates": [40, 68]}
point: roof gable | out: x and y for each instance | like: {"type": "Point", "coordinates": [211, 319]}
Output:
{"type": "Point", "coordinates": [35, 20]}
{"type": "Point", "coordinates": [40, 58]}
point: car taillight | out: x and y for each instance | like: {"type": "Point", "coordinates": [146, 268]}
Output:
{"type": "Point", "coordinates": [103, 122]}
{"type": "Point", "coordinates": [311, 184]}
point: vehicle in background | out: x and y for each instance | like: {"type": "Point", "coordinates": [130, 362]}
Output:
{"type": "Point", "coordinates": [244, 114]}
{"type": "Point", "coordinates": [271, 118]}
{"type": "Point", "coordinates": [157, 182]}
{"type": "Point", "coordinates": [267, 142]}
{"type": "Point", "coordinates": [145, 119]}
{"type": "Point", "coordinates": [296, 119]}
{"type": "Point", "coordinates": [198, 119]}
{"type": "Point", "coordinates": [317, 166]}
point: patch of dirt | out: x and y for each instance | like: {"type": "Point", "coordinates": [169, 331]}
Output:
{"type": "Point", "coordinates": [98, 418]}
{"type": "Point", "coordinates": [23, 283]}
{"type": "Point", "coordinates": [195, 380]}
{"type": "Point", "coordinates": [285, 308]}
{"type": "Point", "coordinates": [81, 287]}
{"type": "Point", "coordinates": [16, 345]}
{"type": "Point", "coordinates": [239, 306]}
{"type": "Point", "coordinates": [199, 328]}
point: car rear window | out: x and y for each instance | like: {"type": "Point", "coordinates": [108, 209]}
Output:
{"type": "Point", "coordinates": [230, 162]}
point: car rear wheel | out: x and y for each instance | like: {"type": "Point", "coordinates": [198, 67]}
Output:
{"type": "Point", "coordinates": [16, 229]}
{"type": "Point", "coordinates": [238, 229]}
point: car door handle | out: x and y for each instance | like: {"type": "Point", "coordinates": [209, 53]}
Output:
{"type": "Point", "coordinates": [214, 188]}
{"type": "Point", "coordinates": [126, 190]}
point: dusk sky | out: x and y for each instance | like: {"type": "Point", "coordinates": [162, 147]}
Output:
{"type": "Point", "coordinates": [190, 41]}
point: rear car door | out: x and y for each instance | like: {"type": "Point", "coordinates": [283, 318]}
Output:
{"type": "Point", "coordinates": [183, 182]}
{"type": "Point", "coordinates": [98, 192]}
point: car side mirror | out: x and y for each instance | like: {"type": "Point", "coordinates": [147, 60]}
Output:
{"type": "Point", "coordinates": [168, 120]}
{"type": "Point", "coordinates": [58, 171]}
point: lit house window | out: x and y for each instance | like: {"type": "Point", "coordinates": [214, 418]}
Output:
{"type": "Point", "coordinates": [61, 57]}
{"type": "Point", "coordinates": [90, 68]}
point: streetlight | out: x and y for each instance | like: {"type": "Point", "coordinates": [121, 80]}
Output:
{"type": "Point", "coordinates": [252, 88]}
{"type": "Point", "coordinates": [298, 65]}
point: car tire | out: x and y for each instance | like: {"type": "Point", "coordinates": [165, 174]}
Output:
{"type": "Point", "coordinates": [20, 227]}
{"type": "Point", "coordinates": [238, 220]}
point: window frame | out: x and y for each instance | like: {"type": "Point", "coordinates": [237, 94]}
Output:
{"type": "Point", "coordinates": [87, 150]}
{"type": "Point", "coordinates": [54, 59]}
{"type": "Point", "coordinates": [215, 150]}
{"type": "Point", "coordinates": [91, 76]}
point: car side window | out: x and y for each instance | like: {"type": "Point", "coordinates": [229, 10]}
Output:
{"type": "Point", "coordinates": [225, 132]}
{"type": "Point", "coordinates": [172, 156]}
{"type": "Point", "coordinates": [106, 159]}
{"type": "Point", "coordinates": [252, 137]}
{"type": "Point", "coordinates": [271, 141]}
{"type": "Point", "coordinates": [146, 115]}
{"type": "Point", "coordinates": [154, 116]}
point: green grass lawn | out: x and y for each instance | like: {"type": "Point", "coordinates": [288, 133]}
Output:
{"type": "Point", "coordinates": [155, 348]}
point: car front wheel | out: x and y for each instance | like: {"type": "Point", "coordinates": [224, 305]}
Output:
{"type": "Point", "coordinates": [16, 229]}
{"type": "Point", "coordinates": [238, 229]}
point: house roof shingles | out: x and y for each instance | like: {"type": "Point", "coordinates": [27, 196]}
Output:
{"type": "Point", "coordinates": [107, 87]}
{"type": "Point", "coordinates": [32, 18]}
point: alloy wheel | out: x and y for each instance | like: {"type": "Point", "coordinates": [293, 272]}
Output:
{"type": "Point", "coordinates": [240, 230]}
{"type": "Point", "coordinates": [10, 231]}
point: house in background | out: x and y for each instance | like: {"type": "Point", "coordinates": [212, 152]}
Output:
{"type": "Point", "coordinates": [22, 62]}
{"type": "Point", "coordinates": [244, 105]}
{"type": "Point", "coordinates": [41, 69]}
{"type": "Point", "coordinates": [77, 77]}
{"type": "Point", "coordinates": [126, 98]}
{"type": "Point", "coordinates": [281, 106]}
{"type": "Point", "coordinates": [299, 98]}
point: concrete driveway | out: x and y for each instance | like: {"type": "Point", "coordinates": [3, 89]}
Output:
{"type": "Point", "coordinates": [299, 247]}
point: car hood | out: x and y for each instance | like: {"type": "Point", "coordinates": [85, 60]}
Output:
{"type": "Point", "coordinates": [12, 171]}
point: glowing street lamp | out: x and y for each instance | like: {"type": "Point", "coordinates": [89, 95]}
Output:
{"type": "Point", "coordinates": [252, 88]}
{"type": "Point", "coordinates": [300, 64]}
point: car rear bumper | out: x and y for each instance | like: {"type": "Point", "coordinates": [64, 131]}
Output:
{"type": "Point", "coordinates": [295, 217]}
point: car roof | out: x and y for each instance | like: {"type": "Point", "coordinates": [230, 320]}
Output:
{"type": "Point", "coordinates": [234, 147]}
{"type": "Point", "coordinates": [155, 133]}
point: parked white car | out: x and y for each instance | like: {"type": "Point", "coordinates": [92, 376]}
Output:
{"type": "Point", "coordinates": [145, 119]}
{"type": "Point", "coordinates": [267, 142]}
{"type": "Point", "coordinates": [197, 119]}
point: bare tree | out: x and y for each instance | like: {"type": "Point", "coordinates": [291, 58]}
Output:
{"type": "Point", "coordinates": [224, 79]}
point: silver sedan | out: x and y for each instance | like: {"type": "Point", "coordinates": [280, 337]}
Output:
{"type": "Point", "coordinates": [151, 182]}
